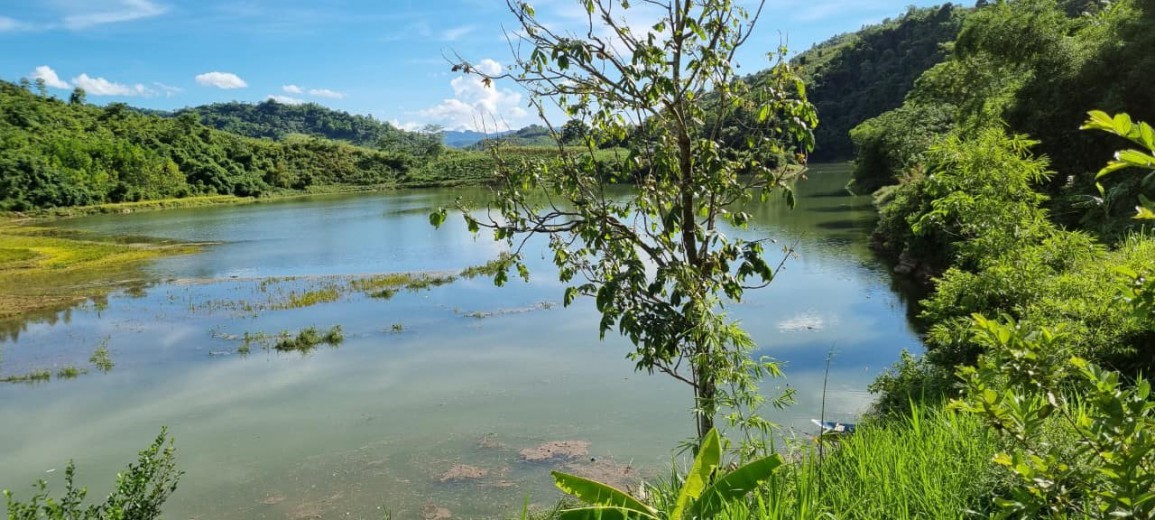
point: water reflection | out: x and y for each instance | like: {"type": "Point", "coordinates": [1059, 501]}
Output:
{"type": "Point", "coordinates": [471, 375]}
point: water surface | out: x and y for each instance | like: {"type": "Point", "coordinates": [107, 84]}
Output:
{"type": "Point", "coordinates": [474, 373]}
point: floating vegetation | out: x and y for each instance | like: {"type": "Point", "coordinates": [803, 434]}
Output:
{"type": "Point", "coordinates": [308, 339]}
{"type": "Point", "coordinates": [388, 285]}
{"type": "Point", "coordinates": [286, 293]}
{"type": "Point", "coordinates": [311, 298]}
{"type": "Point", "coordinates": [100, 357]}
{"type": "Point", "coordinates": [480, 315]}
{"type": "Point", "coordinates": [35, 376]}
{"type": "Point", "coordinates": [45, 269]}
{"type": "Point", "coordinates": [490, 268]}
{"type": "Point", "coordinates": [70, 372]}
{"type": "Point", "coordinates": [397, 328]}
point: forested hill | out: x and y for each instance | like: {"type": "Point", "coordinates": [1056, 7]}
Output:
{"type": "Point", "coordinates": [856, 76]}
{"type": "Point", "coordinates": [273, 120]}
{"type": "Point", "coordinates": [55, 153]}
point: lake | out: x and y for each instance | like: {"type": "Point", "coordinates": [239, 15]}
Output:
{"type": "Point", "coordinates": [460, 374]}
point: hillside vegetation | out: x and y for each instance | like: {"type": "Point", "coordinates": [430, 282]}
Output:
{"type": "Point", "coordinates": [856, 76]}
{"type": "Point", "coordinates": [58, 154]}
{"type": "Point", "coordinates": [278, 121]}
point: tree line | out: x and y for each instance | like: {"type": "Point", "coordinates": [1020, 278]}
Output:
{"type": "Point", "coordinates": [55, 153]}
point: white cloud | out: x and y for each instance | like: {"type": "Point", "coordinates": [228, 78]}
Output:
{"type": "Point", "coordinates": [456, 33]}
{"type": "Point", "coordinates": [223, 80]}
{"type": "Point", "coordinates": [168, 90]}
{"type": "Point", "coordinates": [49, 76]}
{"type": "Point", "coordinates": [477, 106]}
{"type": "Point", "coordinates": [103, 87]}
{"type": "Point", "coordinates": [101, 12]}
{"type": "Point", "coordinates": [292, 89]}
{"type": "Point", "coordinates": [286, 100]}
{"type": "Point", "coordinates": [326, 93]}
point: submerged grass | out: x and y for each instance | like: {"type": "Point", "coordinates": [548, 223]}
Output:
{"type": "Point", "coordinates": [308, 339]}
{"type": "Point", "coordinates": [34, 376]}
{"type": "Point", "coordinates": [43, 268]}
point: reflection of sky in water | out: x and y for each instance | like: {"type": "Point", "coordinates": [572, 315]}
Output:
{"type": "Point", "coordinates": [378, 419]}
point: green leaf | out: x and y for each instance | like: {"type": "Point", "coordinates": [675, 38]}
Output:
{"type": "Point", "coordinates": [1098, 120]}
{"type": "Point", "coordinates": [1123, 124]}
{"type": "Point", "coordinates": [1146, 209]}
{"type": "Point", "coordinates": [437, 217]}
{"type": "Point", "coordinates": [736, 485]}
{"type": "Point", "coordinates": [1136, 158]}
{"type": "Point", "coordinates": [601, 513]}
{"type": "Point", "coordinates": [598, 494]}
{"type": "Point", "coordinates": [708, 459]}
{"type": "Point", "coordinates": [1112, 167]}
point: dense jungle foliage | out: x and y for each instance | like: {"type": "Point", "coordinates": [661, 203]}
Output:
{"type": "Point", "coordinates": [856, 76]}
{"type": "Point", "coordinates": [997, 194]}
{"type": "Point", "coordinates": [55, 153]}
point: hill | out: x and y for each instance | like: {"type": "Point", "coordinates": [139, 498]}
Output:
{"type": "Point", "coordinates": [856, 76]}
{"type": "Point", "coordinates": [55, 154]}
{"type": "Point", "coordinates": [278, 121]}
{"type": "Point", "coordinates": [468, 138]}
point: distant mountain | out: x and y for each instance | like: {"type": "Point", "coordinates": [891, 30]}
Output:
{"type": "Point", "coordinates": [467, 138]}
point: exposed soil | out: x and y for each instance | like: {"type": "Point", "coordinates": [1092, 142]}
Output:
{"type": "Point", "coordinates": [556, 450]}
{"type": "Point", "coordinates": [461, 472]}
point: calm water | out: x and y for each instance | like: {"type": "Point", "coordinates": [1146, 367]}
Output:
{"type": "Point", "coordinates": [372, 425]}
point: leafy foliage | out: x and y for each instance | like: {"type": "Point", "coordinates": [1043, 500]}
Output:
{"type": "Point", "coordinates": [141, 490]}
{"type": "Point", "coordinates": [279, 121]}
{"type": "Point", "coordinates": [854, 77]}
{"type": "Point", "coordinates": [54, 154]}
{"type": "Point", "coordinates": [1025, 386]}
{"type": "Point", "coordinates": [655, 260]}
{"type": "Point", "coordinates": [703, 493]}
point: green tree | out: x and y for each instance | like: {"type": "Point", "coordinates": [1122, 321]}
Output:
{"type": "Point", "coordinates": [77, 97]}
{"type": "Point", "coordinates": [657, 260]}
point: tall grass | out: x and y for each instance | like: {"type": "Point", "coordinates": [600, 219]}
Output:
{"type": "Point", "coordinates": [929, 464]}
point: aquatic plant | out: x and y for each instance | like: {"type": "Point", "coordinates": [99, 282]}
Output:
{"type": "Point", "coordinates": [141, 490]}
{"type": "Point", "coordinates": [34, 376]}
{"type": "Point", "coordinates": [70, 372]}
{"type": "Point", "coordinates": [101, 359]}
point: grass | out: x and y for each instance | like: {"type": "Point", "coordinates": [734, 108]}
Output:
{"type": "Point", "coordinates": [308, 339]}
{"type": "Point", "coordinates": [46, 269]}
{"type": "Point", "coordinates": [932, 463]}
{"type": "Point", "coordinates": [70, 372]}
{"type": "Point", "coordinates": [101, 359]}
{"type": "Point", "coordinates": [35, 376]}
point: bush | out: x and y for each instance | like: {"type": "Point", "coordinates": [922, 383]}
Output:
{"type": "Point", "coordinates": [141, 490]}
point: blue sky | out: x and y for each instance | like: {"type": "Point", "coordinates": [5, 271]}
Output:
{"type": "Point", "coordinates": [385, 58]}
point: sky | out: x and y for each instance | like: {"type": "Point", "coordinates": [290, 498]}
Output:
{"type": "Point", "coordinates": [386, 58]}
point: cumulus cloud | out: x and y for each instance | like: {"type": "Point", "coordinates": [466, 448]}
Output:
{"type": "Point", "coordinates": [326, 93]}
{"type": "Point", "coordinates": [292, 89]}
{"type": "Point", "coordinates": [104, 87]}
{"type": "Point", "coordinates": [222, 80]}
{"type": "Point", "coordinates": [102, 12]}
{"type": "Point", "coordinates": [477, 106]}
{"type": "Point", "coordinates": [286, 100]}
{"type": "Point", "coordinates": [49, 76]}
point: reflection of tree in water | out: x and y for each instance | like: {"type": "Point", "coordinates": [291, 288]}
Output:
{"type": "Point", "coordinates": [57, 308]}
